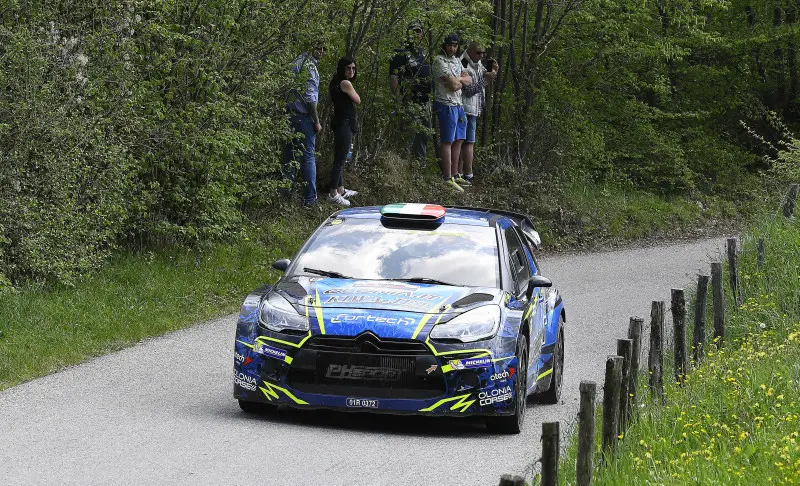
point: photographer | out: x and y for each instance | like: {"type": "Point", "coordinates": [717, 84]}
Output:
{"type": "Point", "coordinates": [474, 99]}
{"type": "Point", "coordinates": [410, 82]}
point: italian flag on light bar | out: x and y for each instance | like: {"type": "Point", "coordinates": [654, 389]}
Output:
{"type": "Point", "coordinates": [424, 211]}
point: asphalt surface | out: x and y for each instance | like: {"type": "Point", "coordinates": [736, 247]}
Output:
{"type": "Point", "coordinates": [162, 412]}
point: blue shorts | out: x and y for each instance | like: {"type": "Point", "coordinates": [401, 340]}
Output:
{"type": "Point", "coordinates": [472, 127]}
{"type": "Point", "coordinates": [452, 122]}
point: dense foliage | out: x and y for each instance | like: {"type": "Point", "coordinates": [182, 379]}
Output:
{"type": "Point", "coordinates": [161, 120]}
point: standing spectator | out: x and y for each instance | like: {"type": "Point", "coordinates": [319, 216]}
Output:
{"type": "Point", "coordinates": [410, 81]}
{"type": "Point", "coordinates": [344, 98]}
{"type": "Point", "coordinates": [474, 97]}
{"type": "Point", "coordinates": [450, 78]}
{"type": "Point", "coordinates": [304, 120]}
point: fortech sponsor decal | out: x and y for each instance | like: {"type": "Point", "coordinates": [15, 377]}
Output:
{"type": "Point", "coordinates": [494, 396]}
{"type": "Point", "coordinates": [350, 318]}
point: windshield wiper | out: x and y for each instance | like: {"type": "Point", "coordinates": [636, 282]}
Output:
{"type": "Point", "coordinates": [324, 273]}
{"type": "Point", "coordinates": [427, 281]}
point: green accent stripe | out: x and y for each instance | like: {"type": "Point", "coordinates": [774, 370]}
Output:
{"type": "Point", "coordinates": [544, 374]}
{"type": "Point", "coordinates": [318, 310]}
{"type": "Point", "coordinates": [460, 404]}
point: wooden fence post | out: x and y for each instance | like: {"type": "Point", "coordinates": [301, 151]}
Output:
{"type": "Point", "coordinates": [789, 202]}
{"type": "Point", "coordinates": [760, 261]}
{"type": "Point", "coordinates": [718, 296]}
{"type": "Point", "coordinates": [655, 361]}
{"type": "Point", "coordinates": [509, 480]}
{"type": "Point", "coordinates": [624, 349]}
{"type": "Point", "coordinates": [733, 267]}
{"type": "Point", "coordinates": [678, 308]}
{"type": "Point", "coordinates": [635, 327]}
{"type": "Point", "coordinates": [586, 425]}
{"type": "Point", "coordinates": [611, 402]}
{"type": "Point", "coordinates": [700, 313]}
{"type": "Point", "coordinates": [550, 452]}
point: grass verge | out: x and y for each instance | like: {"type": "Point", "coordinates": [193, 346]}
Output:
{"type": "Point", "coordinates": [137, 296]}
{"type": "Point", "coordinates": [736, 420]}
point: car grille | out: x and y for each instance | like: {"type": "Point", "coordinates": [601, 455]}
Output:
{"type": "Point", "coordinates": [367, 342]}
{"type": "Point", "coordinates": [366, 366]}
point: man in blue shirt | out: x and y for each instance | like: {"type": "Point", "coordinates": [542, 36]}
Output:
{"type": "Point", "coordinates": [304, 120]}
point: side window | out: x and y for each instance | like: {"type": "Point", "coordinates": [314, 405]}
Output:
{"type": "Point", "coordinates": [518, 261]}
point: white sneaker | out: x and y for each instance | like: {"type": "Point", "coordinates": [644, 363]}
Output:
{"type": "Point", "coordinates": [338, 199]}
{"type": "Point", "coordinates": [348, 193]}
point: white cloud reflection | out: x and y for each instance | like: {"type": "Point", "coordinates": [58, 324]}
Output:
{"type": "Point", "coordinates": [459, 254]}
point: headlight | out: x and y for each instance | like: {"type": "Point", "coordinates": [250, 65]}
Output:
{"type": "Point", "coordinates": [277, 314]}
{"type": "Point", "coordinates": [474, 325]}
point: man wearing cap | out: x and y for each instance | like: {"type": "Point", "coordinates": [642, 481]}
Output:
{"type": "Point", "coordinates": [474, 98]}
{"type": "Point", "coordinates": [410, 81]}
{"type": "Point", "coordinates": [450, 78]}
{"type": "Point", "coordinates": [304, 120]}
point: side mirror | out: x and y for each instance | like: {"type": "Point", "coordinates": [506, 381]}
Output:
{"type": "Point", "coordinates": [282, 264]}
{"type": "Point", "coordinates": [537, 281]}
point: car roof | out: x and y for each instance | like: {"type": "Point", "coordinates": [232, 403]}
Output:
{"type": "Point", "coordinates": [462, 216]}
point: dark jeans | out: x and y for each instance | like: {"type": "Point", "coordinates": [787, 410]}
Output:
{"type": "Point", "coordinates": [342, 139]}
{"type": "Point", "coordinates": [419, 146]}
{"type": "Point", "coordinates": [308, 165]}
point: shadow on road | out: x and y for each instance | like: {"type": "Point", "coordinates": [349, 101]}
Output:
{"type": "Point", "coordinates": [399, 425]}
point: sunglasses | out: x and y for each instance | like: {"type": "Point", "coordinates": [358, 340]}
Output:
{"type": "Point", "coordinates": [349, 68]}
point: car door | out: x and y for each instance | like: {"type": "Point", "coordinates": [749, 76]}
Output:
{"type": "Point", "coordinates": [520, 265]}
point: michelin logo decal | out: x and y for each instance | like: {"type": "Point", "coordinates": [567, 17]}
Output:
{"type": "Point", "coordinates": [466, 364]}
{"type": "Point", "coordinates": [270, 352]}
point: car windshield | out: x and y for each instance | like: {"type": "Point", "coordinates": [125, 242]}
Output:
{"type": "Point", "coordinates": [366, 249]}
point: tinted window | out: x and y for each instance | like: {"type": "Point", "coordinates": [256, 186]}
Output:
{"type": "Point", "coordinates": [518, 260]}
{"type": "Point", "coordinates": [365, 249]}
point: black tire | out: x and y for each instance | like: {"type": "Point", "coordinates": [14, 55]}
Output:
{"type": "Point", "coordinates": [256, 407]}
{"type": "Point", "coordinates": [512, 424]}
{"type": "Point", "coordinates": [553, 393]}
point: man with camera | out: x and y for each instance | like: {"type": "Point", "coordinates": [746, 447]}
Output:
{"type": "Point", "coordinates": [410, 81]}
{"type": "Point", "coordinates": [482, 71]}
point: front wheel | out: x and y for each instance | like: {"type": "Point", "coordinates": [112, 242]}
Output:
{"type": "Point", "coordinates": [512, 424]}
{"type": "Point", "coordinates": [553, 394]}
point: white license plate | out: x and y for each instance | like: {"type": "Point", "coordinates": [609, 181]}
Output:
{"type": "Point", "coordinates": [362, 403]}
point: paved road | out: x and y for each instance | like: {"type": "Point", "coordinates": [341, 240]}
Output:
{"type": "Point", "coordinates": [162, 412]}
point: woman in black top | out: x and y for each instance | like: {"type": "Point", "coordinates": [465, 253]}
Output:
{"type": "Point", "coordinates": [344, 98]}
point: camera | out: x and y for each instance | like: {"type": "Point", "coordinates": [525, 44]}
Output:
{"type": "Point", "coordinates": [488, 63]}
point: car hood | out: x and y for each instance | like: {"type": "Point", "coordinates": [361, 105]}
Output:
{"type": "Point", "coordinates": [390, 309]}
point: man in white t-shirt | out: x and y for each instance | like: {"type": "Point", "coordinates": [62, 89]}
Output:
{"type": "Point", "coordinates": [450, 78]}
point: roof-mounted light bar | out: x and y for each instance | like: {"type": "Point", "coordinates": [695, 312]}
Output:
{"type": "Point", "coordinates": [413, 212]}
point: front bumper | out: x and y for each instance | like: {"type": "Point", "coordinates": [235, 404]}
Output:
{"type": "Point", "coordinates": [380, 375]}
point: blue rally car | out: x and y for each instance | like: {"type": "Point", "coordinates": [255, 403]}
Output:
{"type": "Point", "coordinates": [406, 308]}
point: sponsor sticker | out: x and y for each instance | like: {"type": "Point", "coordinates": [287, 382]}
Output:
{"type": "Point", "coordinates": [432, 369]}
{"type": "Point", "coordinates": [242, 359]}
{"type": "Point", "coordinates": [471, 363]}
{"type": "Point", "coordinates": [362, 403]}
{"type": "Point", "coordinates": [348, 318]}
{"type": "Point", "coordinates": [245, 381]}
{"type": "Point", "coordinates": [504, 375]}
{"type": "Point", "coordinates": [356, 372]}
{"type": "Point", "coordinates": [495, 395]}
{"type": "Point", "coordinates": [269, 351]}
